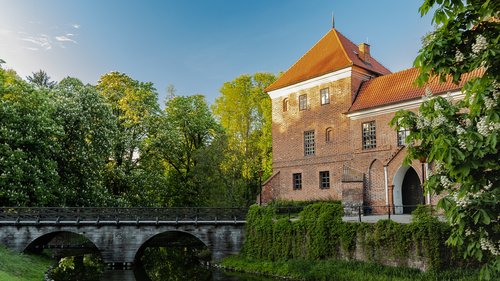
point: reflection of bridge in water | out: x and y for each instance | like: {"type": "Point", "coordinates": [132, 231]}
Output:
{"type": "Point", "coordinates": [120, 234]}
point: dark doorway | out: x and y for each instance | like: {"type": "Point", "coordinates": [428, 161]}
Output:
{"type": "Point", "coordinates": [411, 191]}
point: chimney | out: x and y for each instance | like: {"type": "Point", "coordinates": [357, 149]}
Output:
{"type": "Point", "coordinates": [364, 51]}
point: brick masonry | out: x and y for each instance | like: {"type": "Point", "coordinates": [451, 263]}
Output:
{"type": "Point", "coordinates": [343, 149]}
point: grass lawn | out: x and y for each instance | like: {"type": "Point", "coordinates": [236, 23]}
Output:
{"type": "Point", "coordinates": [339, 270]}
{"type": "Point", "coordinates": [22, 267]}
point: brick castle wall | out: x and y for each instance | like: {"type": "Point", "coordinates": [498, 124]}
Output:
{"type": "Point", "coordinates": [288, 141]}
{"type": "Point", "coordinates": [343, 149]}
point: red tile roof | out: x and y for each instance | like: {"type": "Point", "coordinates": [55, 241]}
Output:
{"type": "Point", "coordinates": [399, 86]}
{"type": "Point", "coordinates": [352, 52]}
{"type": "Point", "coordinates": [331, 53]}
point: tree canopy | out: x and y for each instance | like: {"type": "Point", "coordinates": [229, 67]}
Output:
{"type": "Point", "coordinates": [41, 79]}
{"type": "Point", "coordinates": [85, 144]}
{"type": "Point", "coordinates": [133, 104]}
{"type": "Point", "coordinates": [183, 134]}
{"type": "Point", "coordinates": [75, 144]}
{"type": "Point", "coordinates": [244, 110]}
{"type": "Point", "coordinates": [28, 141]}
{"type": "Point", "coordinates": [461, 138]}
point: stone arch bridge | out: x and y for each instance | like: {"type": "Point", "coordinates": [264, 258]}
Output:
{"type": "Point", "coordinates": [119, 234]}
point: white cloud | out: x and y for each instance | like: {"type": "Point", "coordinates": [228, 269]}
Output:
{"type": "Point", "coordinates": [42, 41]}
{"type": "Point", "coordinates": [28, 40]}
{"type": "Point", "coordinates": [5, 32]}
{"type": "Point", "coordinates": [64, 38]}
{"type": "Point", "coordinates": [30, 48]}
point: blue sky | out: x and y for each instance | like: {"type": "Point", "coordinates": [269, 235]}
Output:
{"type": "Point", "coordinates": [195, 45]}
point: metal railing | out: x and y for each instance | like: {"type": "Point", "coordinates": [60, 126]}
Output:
{"type": "Point", "coordinates": [362, 213]}
{"type": "Point", "coordinates": [138, 216]}
{"type": "Point", "coordinates": [201, 215]}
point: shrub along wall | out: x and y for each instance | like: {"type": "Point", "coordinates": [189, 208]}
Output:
{"type": "Point", "coordinates": [319, 233]}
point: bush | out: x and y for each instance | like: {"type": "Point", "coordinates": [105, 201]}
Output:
{"type": "Point", "coordinates": [279, 203]}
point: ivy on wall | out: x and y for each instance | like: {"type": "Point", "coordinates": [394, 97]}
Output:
{"type": "Point", "coordinates": [319, 233]}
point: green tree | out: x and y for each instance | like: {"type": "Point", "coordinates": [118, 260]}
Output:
{"type": "Point", "coordinates": [89, 127]}
{"type": "Point", "coordinates": [244, 110]}
{"type": "Point", "coordinates": [184, 136]}
{"type": "Point", "coordinates": [41, 79]}
{"type": "Point", "coordinates": [133, 104]}
{"type": "Point", "coordinates": [170, 91]}
{"type": "Point", "coordinates": [28, 142]}
{"type": "Point", "coordinates": [461, 138]}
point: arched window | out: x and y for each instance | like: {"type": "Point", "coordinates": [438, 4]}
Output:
{"type": "Point", "coordinates": [285, 104]}
{"type": "Point", "coordinates": [328, 134]}
{"type": "Point", "coordinates": [325, 96]}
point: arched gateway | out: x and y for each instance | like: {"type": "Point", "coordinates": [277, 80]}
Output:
{"type": "Point", "coordinates": [407, 191]}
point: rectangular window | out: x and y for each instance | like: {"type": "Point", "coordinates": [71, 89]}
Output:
{"type": "Point", "coordinates": [369, 135]}
{"type": "Point", "coordinates": [309, 143]}
{"type": "Point", "coordinates": [297, 181]}
{"type": "Point", "coordinates": [402, 134]}
{"type": "Point", "coordinates": [302, 102]}
{"type": "Point", "coordinates": [325, 96]}
{"type": "Point", "coordinates": [324, 179]}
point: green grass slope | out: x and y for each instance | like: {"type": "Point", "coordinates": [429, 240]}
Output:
{"type": "Point", "coordinates": [339, 270]}
{"type": "Point", "coordinates": [22, 267]}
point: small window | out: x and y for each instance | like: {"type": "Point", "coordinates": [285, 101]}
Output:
{"type": "Point", "coordinates": [285, 105]}
{"type": "Point", "coordinates": [402, 134]}
{"type": "Point", "coordinates": [324, 179]}
{"type": "Point", "coordinates": [309, 143]}
{"type": "Point", "coordinates": [369, 135]}
{"type": "Point", "coordinates": [302, 102]}
{"type": "Point", "coordinates": [325, 96]}
{"type": "Point", "coordinates": [328, 135]}
{"type": "Point", "coordinates": [297, 181]}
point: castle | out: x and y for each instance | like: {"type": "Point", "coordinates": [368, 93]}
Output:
{"type": "Point", "coordinates": [331, 138]}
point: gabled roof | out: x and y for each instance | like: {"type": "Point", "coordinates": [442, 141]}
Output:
{"type": "Point", "coordinates": [399, 86]}
{"type": "Point", "coordinates": [331, 53]}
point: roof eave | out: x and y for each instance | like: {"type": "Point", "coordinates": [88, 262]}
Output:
{"type": "Point", "coordinates": [270, 89]}
{"type": "Point", "coordinates": [400, 101]}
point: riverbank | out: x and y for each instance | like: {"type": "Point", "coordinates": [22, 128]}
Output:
{"type": "Point", "coordinates": [318, 245]}
{"type": "Point", "coordinates": [340, 270]}
{"type": "Point", "coordinates": [22, 267]}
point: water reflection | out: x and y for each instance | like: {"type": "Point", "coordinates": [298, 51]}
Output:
{"type": "Point", "coordinates": [119, 275]}
{"type": "Point", "coordinates": [178, 262]}
{"type": "Point", "coordinates": [215, 275]}
{"type": "Point", "coordinates": [155, 264]}
{"type": "Point", "coordinates": [85, 267]}
{"type": "Point", "coordinates": [175, 263]}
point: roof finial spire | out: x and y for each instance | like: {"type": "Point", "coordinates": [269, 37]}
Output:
{"type": "Point", "coordinates": [333, 21]}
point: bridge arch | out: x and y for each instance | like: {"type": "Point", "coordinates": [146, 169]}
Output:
{"type": "Point", "coordinates": [63, 240]}
{"type": "Point", "coordinates": [172, 238]}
